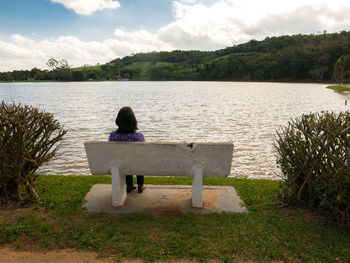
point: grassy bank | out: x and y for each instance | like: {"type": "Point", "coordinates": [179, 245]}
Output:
{"type": "Point", "coordinates": [341, 88]}
{"type": "Point", "coordinates": [267, 233]}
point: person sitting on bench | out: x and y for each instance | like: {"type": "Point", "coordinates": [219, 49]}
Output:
{"type": "Point", "coordinates": [126, 132]}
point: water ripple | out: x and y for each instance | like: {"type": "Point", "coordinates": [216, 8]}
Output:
{"type": "Point", "coordinates": [248, 114]}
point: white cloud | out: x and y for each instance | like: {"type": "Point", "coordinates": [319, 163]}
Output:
{"type": "Point", "coordinates": [24, 53]}
{"type": "Point", "coordinates": [198, 24]}
{"type": "Point", "coordinates": [205, 24]}
{"type": "Point", "coordinates": [87, 7]}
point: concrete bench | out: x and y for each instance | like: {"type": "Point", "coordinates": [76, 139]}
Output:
{"type": "Point", "coordinates": [196, 160]}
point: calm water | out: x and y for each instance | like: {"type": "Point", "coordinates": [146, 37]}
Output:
{"type": "Point", "coordinates": [248, 114]}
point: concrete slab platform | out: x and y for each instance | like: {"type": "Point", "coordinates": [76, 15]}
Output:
{"type": "Point", "coordinates": [165, 199]}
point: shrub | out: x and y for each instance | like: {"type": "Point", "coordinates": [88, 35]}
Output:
{"type": "Point", "coordinates": [313, 152]}
{"type": "Point", "coordinates": [28, 138]}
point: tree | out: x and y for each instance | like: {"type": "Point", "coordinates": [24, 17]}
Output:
{"type": "Point", "coordinates": [8, 77]}
{"type": "Point", "coordinates": [28, 138]}
{"type": "Point", "coordinates": [36, 74]}
{"type": "Point", "coordinates": [79, 75]}
{"type": "Point", "coordinates": [63, 63]}
{"type": "Point", "coordinates": [60, 68]}
{"type": "Point", "coordinates": [52, 63]}
{"type": "Point", "coordinates": [57, 64]}
{"type": "Point", "coordinates": [92, 74]}
{"type": "Point", "coordinates": [65, 74]}
{"type": "Point", "coordinates": [118, 64]}
{"type": "Point", "coordinates": [20, 75]}
{"type": "Point", "coordinates": [342, 69]}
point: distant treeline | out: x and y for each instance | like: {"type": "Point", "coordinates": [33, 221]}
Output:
{"type": "Point", "coordinates": [285, 58]}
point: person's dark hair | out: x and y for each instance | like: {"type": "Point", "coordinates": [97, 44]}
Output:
{"type": "Point", "coordinates": [126, 121]}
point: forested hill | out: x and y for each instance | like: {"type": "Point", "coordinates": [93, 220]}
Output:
{"type": "Point", "coordinates": [285, 58]}
{"type": "Point", "coordinates": [298, 57]}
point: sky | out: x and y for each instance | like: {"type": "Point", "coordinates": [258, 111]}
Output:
{"type": "Point", "coordinates": [97, 31]}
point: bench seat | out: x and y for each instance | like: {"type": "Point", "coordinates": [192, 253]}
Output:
{"type": "Point", "coordinates": [196, 160]}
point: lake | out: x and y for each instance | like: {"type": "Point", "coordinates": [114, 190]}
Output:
{"type": "Point", "coordinates": [246, 113]}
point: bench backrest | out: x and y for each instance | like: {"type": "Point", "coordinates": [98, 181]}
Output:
{"type": "Point", "coordinates": [167, 159]}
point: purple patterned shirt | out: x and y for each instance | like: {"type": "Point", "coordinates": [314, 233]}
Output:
{"type": "Point", "coordinates": [126, 137]}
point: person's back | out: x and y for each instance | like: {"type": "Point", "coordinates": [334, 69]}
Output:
{"type": "Point", "coordinates": [126, 132]}
{"type": "Point", "coordinates": [126, 137]}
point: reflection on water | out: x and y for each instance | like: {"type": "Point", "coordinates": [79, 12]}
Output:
{"type": "Point", "coordinates": [247, 114]}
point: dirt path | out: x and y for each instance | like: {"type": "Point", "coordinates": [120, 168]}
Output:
{"type": "Point", "coordinates": [9, 255]}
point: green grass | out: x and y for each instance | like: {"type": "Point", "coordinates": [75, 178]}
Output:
{"type": "Point", "coordinates": [341, 88]}
{"type": "Point", "coordinates": [266, 233]}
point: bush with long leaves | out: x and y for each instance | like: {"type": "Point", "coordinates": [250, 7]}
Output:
{"type": "Point", "coordinates": [313, 152]}
{"type": "Point", "coordinates": [28, 138]}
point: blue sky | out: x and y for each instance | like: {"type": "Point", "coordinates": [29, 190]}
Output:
{"type": "Point", "coordinates": [97, 31]}
{"type": "Point", "coordinates": [42, 19]}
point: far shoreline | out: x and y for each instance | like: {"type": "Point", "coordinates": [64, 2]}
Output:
{"type": "Point", "coordinates": [243, 81]}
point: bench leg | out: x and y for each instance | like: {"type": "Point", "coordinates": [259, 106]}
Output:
{"type": "Point", "coordinates": [197, 185]}
{"type": "Point", "coordinates": [118, 187]}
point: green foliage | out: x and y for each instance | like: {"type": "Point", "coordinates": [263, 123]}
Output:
{"type": "Point", "coordinates": [79, 75]}
{"type": "Point", "coordinates": [342, 69]}
{"type": "Point", "coordinates": [175, 56]}
{"type": "Point", "coordinates": [65, 74]}
{"type": "Point", "coordinates": [28, 138]}
{"type": "Point", "coordinates": [313, 152]}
